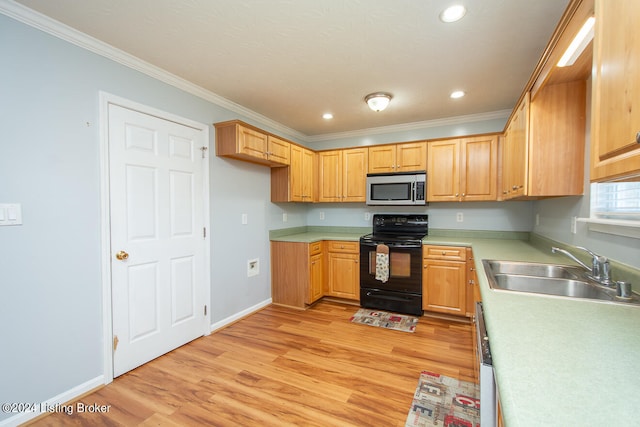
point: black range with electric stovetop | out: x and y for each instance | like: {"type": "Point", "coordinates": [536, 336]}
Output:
{"type": "Point", "coordinates": [391, 263]}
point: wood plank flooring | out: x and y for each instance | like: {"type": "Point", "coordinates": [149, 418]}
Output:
{"type": "Point", "coordinates": [283, 367]}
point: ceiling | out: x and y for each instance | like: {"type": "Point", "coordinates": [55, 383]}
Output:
{"type": "Point", "coordinates": [293, 60]}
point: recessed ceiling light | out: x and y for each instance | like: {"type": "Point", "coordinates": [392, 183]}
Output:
{"type": "Point", "coordinates": [453, 13]}
{"type": "Point", "coordinates": [327, 116]}
{"type": "Point", "coordinates": [457, 94]}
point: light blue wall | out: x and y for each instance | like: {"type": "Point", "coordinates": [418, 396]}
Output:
{"type": "Point", "coordinates": [50, 271]}
{"type": "Point", "coordinates": [555, 217]}
{"type": "Point", "coordinates": [431, 130]}
{"type": "Point", "coordinates": [509, 216]}
{"type": "Point", "coordinates": [50, 267]}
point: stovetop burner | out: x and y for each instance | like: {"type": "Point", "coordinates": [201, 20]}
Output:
{"type": "Point", "coordinates": [400, 229]}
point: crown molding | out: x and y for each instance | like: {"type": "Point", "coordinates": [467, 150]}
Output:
{"type": "Point", "coordinates": [449, 121]}
{"type": "Point", "coordinates": [57, 29]}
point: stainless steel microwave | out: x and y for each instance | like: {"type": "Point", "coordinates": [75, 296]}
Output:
{"type": "Point", "coordinates": [397, 189]}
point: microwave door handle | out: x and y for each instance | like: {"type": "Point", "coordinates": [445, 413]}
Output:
{"type": "Point", "coordinates": [414, 189]}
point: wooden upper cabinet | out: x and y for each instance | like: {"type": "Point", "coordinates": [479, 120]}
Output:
{"type": "Point", "coordinates": [514, 153]}
{"type": "Point", "coordinates": [295, 183]}
{"type": "Point", "coordinates": [342, 175]}
{"type": "Point", "coordinates": [543, 151]}
{"type": "Point", "coordinates": [463, 169]}
{"type": "Point", "coordinates": [411, 156]}
{"type": "Point", "coordinates": [406, 157]}
{"type": "Point", "coordinates": [279, 150]}
{"type": "Point", "coordinates": [615, 119]}
{"type": "Point", "coordinates": [354, 174]}
{"type": "Point", "coordinates": [238, 140]}
{"type": "Point", "coordinates": [330, 176]}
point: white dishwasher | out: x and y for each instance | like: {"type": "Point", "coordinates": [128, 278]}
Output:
{"type": "Point", "coordinates": [488, 401]}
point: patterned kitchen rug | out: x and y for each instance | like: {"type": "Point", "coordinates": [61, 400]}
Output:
{"type": "Point", "coordinates": [444, 402]}
{"type": "Point", "coordinates": [385, 319]}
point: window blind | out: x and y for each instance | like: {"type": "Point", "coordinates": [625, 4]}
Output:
{"type": "Point", "coordinates": [616, 200]}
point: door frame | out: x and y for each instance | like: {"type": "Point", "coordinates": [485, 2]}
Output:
{"type": "Point", "coordinates": [106, 99]}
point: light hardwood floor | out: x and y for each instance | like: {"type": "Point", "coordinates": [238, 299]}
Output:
{"type": "Point", "coordinates": [283, 367]}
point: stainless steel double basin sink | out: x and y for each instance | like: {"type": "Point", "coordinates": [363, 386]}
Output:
{"type": "Point", "coordinates": [550, 279]}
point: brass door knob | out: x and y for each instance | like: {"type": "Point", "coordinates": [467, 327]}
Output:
{"type": "Point", "coordinates": [122, 255]}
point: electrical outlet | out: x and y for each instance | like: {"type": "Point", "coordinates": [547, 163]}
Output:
{"type": "Point", "coordinates": [537, 219]}
{"type": "Point", "coordinates": [245, 219]}
{"type": "Point", "coordinates": [459, 217]}
{"type": "Point", "coordinates": [367, 216]}
{"type": "Point", "coordinates": [284, 217]}
{"type": "Point", "coordinates": [574, 226]}
{"type": "Point", "coordinates": [253, 267]}
{"type": "Point", "coordinates": [321, 216]}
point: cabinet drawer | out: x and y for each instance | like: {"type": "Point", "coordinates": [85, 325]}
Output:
{"type": "Point", "coordinates": [342, 246]}
{"type": "Point", "coordinates": [315, 248]}
{"type": "Point", "coordinates": [444, 252]}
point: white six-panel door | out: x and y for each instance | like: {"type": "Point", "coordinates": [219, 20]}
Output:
{"type": "Point", "coordinates": [157, 235]}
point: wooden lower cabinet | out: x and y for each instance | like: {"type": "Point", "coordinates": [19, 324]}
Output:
{"type": "Point", "coordinates": [445, 285]}
{"type": "Point", "coordinates": [297, 273]}
{"type": "Point", "coordinates": [343, 269]}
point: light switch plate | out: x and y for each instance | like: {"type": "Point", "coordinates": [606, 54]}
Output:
{"type": "Point", "coordinates": [10, 214]}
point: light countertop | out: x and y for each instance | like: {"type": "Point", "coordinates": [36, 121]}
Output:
{"type": "Point", "coordinates": [558, 362]}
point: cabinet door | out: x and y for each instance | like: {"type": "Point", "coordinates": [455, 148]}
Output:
{"type": "Point", "coordinates": [443, 178]}
{"type": "Point", "coordinates": [309, 190]}
{"type": "Point", "coordinates": [354, 174]}
{"type": "Point", "coordinates": [615, 118]}
{"type": "Point", "coordinates": [382, 159]}
{"type": "Point", "coordinates": [316, 278]}
{"type": "Point", "coordinates": [478, 168]}
{"type": "Point", "coordinates": [252, 143]}
{"type": "Point", "coordinates": [444, 287]}
{"type": "Point", "coordinates": [515, 152]}
{"type": "Point", "coordinates": [296, 174]}
{"type": "Point", "coordinates": [344, 275]}
{"type": "Point", "coordinates": [279, 150]}
{"type": "Point", "coordinates": [330, 176]}
{"type": "Point", "coordinates": [411, 157]}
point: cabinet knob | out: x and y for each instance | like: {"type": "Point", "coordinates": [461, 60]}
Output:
{"type": "Point", "coordinates": [443, 253]}
{"type": "Point", "coordinates": [638, 137]}
{"type": "Point", "coordinates": [515, 187]}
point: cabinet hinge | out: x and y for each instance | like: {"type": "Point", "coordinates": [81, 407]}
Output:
{"type": "Point", "coordinates": [205, 310]}
{"type": "Point", "coordinates": [115, 343]}
{"type": "Point", "coordinates": [204, 232]}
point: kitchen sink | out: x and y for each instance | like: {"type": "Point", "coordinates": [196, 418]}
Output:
{"type": "Point", "coordinates": [550, 279]}
{"type": "Point", "coordinates": [535, 269]}
{"type": "Point", "coordinates": [550, 286]}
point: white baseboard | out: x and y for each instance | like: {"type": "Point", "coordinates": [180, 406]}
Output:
{"type": "Point", "coordinates": [57, 403]}
{"type": "Point", "coordinates": [227, 321]}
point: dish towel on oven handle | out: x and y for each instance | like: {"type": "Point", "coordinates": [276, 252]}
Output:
{"type": "Point", "coordinates": [382, 263]}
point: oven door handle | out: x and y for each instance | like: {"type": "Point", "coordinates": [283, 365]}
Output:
{"type": "Point", "coordinates": [390, 244]}
{"type": "Point", "coordinates": [389, 297]}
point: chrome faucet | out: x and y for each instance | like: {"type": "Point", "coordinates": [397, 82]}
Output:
{"type": "Point", "coordinates": [600, 268]}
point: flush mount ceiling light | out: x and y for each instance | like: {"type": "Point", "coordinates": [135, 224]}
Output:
{"type": "Point", "coordinates": [378, 101]}
{"type": "Point", "coordinates": [578, 44]}
{"type": "Point", "coordinates": [457, 94]}
{"type": "Point", "coordinates": [453, 13]}
{"type": "Point", "coordinates": [327, 116]}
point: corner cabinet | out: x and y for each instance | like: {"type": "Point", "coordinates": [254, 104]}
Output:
{"type": "Point", "coordinates": [297, 273]}
{"type": "Point", "coordinates": [543, 151]}
{"type": "Point", "coordinates": [444, 284]}
{"type": "Point", "coordinates": [343, 269]}
{"type": "Point", "coordinates": [615, 121]}
{"type": "Point", "coordinates": [238, 140]}
{"type": "Point", "coordinates": [463, 169]}
{"type": "Point", "coordinates": [295, 183]}
{"type": "Point", "coordinates": [405, 157]}
{"type": "Point", "coordinates": [342, 175]}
